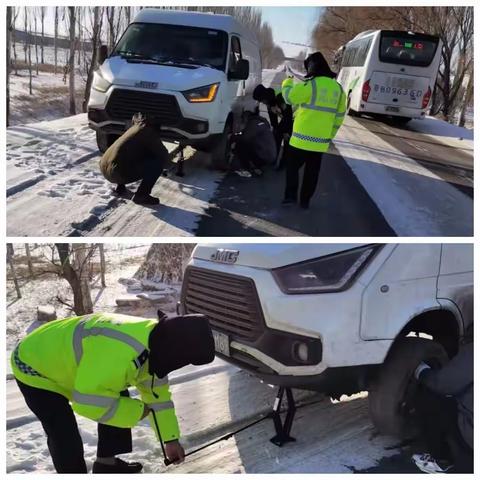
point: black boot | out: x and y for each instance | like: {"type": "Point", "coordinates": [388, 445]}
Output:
{"type": "Point", "coordinates": [145, 199]}
{"type": "Point", "coordinates": [120, 466]}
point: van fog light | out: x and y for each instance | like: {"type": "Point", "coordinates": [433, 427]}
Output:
{"type": "Point", "coordinates": [300, 350]}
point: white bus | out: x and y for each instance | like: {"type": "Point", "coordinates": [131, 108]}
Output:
{"type": "Point", "coordinates": [386, 72]}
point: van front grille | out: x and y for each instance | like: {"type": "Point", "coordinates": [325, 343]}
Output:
{"type": "Point", "coordinates": [123, 104]}
{"type": "Point", "coordinates": [229, 301]}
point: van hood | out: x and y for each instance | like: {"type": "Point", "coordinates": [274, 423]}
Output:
{"type": "Point", "coordinates": [118, 71]}
{"type": "Point", "coordinates": [268, 256]}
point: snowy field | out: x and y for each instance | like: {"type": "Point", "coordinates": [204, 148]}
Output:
{"type": "Point", "coordinates": [49, 98]}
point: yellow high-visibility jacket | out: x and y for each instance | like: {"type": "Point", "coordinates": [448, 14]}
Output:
{"type": "Point", "coordinates": [321, 105]}
{"type": "Point", "coordinates": [90, 360]}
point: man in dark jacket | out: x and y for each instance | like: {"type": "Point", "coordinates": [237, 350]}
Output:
{"type": "Point", "coordinates": [138, 154]}
{"type": "Point", "coordinates": [280, 115]}
{"type": "Point", "coordinates": [445, 409]}
{"type": "Point", "coordinates": [255, 145]}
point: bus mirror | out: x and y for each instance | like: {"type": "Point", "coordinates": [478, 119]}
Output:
{"type": "Point", "coordinates": [102, 54]}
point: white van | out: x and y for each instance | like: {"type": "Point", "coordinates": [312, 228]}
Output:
{"type": "Point", "coordinates": [389, 73]}
{"type": "Point", "coordinates": [193, 72]}
{"type": "Point", "coordinates": [335, 318]}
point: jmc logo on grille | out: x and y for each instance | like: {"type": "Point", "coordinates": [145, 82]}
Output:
{"type": "Point", "coordinates": [223, 255]}
{"type": "Point", "coordinates": [151, 85]}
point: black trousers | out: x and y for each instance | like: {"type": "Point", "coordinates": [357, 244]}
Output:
{"type": "Point", "coordinates": [438, 419]}
{"type": "Point", "coordinates": [296, 159]}
{"type": "Point", "coordinates": [63, 438]}
{"type": "Point", "coordinates": [148, 171]}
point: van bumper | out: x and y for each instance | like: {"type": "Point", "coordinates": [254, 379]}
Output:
{"type": "Point", "coordinates": [334, 382]}
{"type": "Point", "coordinates": [186, 131]}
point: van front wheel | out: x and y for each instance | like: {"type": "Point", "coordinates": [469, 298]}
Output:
{"type": "Point", "coordinates": [391, 394]}
{"type": "Point", "coordinates": [220, 151]}
{"type": "Point", "coordinates": [105, 140]}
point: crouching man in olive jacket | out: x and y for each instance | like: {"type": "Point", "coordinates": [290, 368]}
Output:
{"type": "Point", "coordinates": [138, 154]}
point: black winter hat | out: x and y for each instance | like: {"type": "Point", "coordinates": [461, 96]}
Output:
{"type": "Point", "coordinates": [179, 341]}
{"type": "Point", "coordinates": [264, 94]}
{"type": "Point", "coordinates": [316, 66]}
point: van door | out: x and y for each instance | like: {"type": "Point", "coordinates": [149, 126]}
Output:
{"type": "Point", "coordinates": [455, 282]}
{"type": "Point", "coordinates": [235, 88]}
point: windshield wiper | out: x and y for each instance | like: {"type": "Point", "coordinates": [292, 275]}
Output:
{"type": "Point", "coordinates": [187, 61]}
{"type": "Point", "coordinates": [134, 55]}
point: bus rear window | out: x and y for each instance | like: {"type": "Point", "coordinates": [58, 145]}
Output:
{"type": "Point", "coordinates": [407, 49]}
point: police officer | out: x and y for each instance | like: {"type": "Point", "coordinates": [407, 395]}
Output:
{"type": "Point", "coordinates": [321, 105]}
{"type": "Point", "coordinates": [138, 154]}
{"type": "Point", "coordinates": [86, 364]}
{"type": "Point", "coordinates": [280, 116]}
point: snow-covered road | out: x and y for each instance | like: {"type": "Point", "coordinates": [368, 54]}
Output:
{"type": "Point", "coordinates": [420, 179]}
{"type": "Point", "coordinates": [211, 401]}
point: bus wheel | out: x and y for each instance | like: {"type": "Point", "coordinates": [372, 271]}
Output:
{"type": "Point", "coordinates": [350, 111]}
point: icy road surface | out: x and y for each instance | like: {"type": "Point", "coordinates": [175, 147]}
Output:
{"type": "Point", "coordinates": [211, 401]}
{"type": "Point", "coordinates": [376, 180]}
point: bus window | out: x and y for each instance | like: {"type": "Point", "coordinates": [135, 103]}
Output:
{"type": "Point", "coordinates": [356, 53]}
{"type": "Point", "coordinates": [417, 51]}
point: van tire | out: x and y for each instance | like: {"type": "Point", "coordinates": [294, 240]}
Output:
{"type": "Point", "coordinates": [105, 140]}
{"type": "Point", "coordinates": [220, 150]}
{"type": "Point", "coordinates": [394, 386]}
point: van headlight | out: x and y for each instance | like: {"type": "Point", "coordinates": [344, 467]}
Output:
{"type": "Point", "coordinates": [202, 94]}
{"type": "Point", "coordinates": [332, 273]}
{"type": "Point", "coordinates": [99, 83]}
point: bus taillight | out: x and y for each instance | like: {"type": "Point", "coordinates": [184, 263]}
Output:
{"type": "Point", "coordinates": [426, 97]}
{"type": "Point", "coordinates": [366, 91]}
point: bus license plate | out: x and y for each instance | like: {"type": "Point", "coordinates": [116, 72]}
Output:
{"type": "Point", "coordinates": [222, 343]}
{"type": "Point", "coordinates": [392, 109]}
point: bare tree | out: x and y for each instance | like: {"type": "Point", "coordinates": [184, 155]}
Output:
{"type": "Point", "coordinates": [55, 40]}
{"type": "Point", "coordinates": [28, 48]}
{"type": "Point", "coordinates": [15, 12]}
{"type": "Point", "coordinates": [10, 254]}
{"type": "Point", "coordinates": [71, 61]}
{"type": "Point", "coordinates": [114, 18]}
{"type": "Point", "coordinates": [29, 259]}
{"type": "Point", "coordinates": [95, 40]}
{"type": "Point", "coordinates": [42, 40]}
{"type": "Point", "coordinates": [9, 60]}
{"type": "Point", "coordinates": [25, 30]}
{"type": "Point", "coordinates": [35, 38]}
{"type": "Point", "coordinates": [165, 262]}
{"type": "Point", "coordinates": [74, 260]}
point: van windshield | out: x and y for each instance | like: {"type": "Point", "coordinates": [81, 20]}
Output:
{"type": "Point", "coordinates": [407, 49]}
{"type": "Point", "coordinates": [174, 44]}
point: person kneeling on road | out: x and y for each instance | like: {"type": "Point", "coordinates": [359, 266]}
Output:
{"type": "Point", "coordinates": [321, 104]}
{"type": "Point", "coordinates": [138, 154]}
{"type": "Point", "coordinates": [444, 407]}
{"type": "Point", "coordinates": [86, 364]}
{"type": "Point", "coordinates": [280, 115]}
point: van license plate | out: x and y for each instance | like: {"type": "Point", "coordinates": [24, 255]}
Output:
{"type": "Point", "coordinates": [222, 343]}
{"type": "Point", "coordinates": [392, 109]}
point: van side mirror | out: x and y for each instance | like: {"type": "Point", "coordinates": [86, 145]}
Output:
{"type": "Point", "coordinates": [241, 71]}
{"type": "Point", "coordinates": [102, 54]}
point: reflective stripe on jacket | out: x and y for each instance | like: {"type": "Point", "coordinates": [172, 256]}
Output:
{"type": "Point", "coordinates": [90, 360]}
{"type": "Point", "coordinates": [321, 106]}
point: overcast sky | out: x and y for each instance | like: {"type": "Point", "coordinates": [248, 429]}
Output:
{"type": "Point", "coordinates": [289, 24]}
